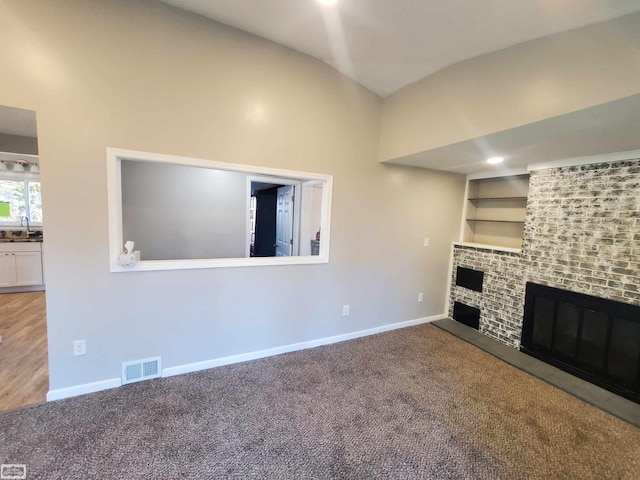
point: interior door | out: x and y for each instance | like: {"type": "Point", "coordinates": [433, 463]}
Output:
{"type": "Point", "coordinates": [266, 201]}
{"type": "Point", "coordinates": [284, 222]}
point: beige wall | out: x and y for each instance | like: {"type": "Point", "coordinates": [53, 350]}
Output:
{"type": "Point", "coordinates": [173, 212]}
{"type": "Point", "coordinates": [141, 75]}
{"type": "Point", "coordinates": [513, 87]}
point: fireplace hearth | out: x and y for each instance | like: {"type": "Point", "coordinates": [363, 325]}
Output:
{"type": "Point", "coordinates": [593, 338]}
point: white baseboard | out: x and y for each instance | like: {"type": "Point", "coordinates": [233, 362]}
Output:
{"type": "Point", "coordinates": [244, 357]}
{"type": "Point", "coordinates": [76, 390]}
{"type": "Point", "coordinates": [61, 393]}
{"type": "Point", "coordinates": [28, 288]}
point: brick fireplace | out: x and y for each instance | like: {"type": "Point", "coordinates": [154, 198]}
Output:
{"type": "Point", "coordinates": [581, 234]}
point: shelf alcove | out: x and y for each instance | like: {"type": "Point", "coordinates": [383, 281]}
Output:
{"type": "Point", "coordinates": [495, 211]}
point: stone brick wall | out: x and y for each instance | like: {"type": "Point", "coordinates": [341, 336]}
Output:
{"type": "Point", "coordinates": [582, 233]}
{"type": "Point", "coordinates": [502, 298]}
{"type": "Point", "coordinates": [582, 229]}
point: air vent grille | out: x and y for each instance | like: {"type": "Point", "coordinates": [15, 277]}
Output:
{"type": "Point", "coordinates": [150, 368]}
{"type": "Point", "coordinates": [141, 370]}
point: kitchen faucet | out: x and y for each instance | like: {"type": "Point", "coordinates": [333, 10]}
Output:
{"type": "Point", "coordinates": [22, 219]}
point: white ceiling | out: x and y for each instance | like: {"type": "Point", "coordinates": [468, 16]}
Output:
{"type": "Point", "coordinates": [387, 44]}
{"type": "Point", "coordinates": [606, 128]}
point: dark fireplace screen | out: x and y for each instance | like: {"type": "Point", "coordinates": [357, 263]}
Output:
{"type": "Point", "coordinates": [470, 316]}
{"type": "Point", "coordinates": [592, 338]}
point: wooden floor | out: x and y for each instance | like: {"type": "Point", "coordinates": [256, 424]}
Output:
{"type": "Point", "coordinates": [24, 378]}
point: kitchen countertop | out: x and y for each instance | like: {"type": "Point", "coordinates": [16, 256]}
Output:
{"type": "Point", "coordinates": [21, 240]}
{"type": "Point", "coordinates": [19, 236]}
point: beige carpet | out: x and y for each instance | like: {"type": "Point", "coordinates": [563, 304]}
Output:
{"type": "Point", "coordinates": [413, 403]}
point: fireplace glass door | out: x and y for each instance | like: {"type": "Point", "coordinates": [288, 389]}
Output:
{"type": "Point", "coordinates": [593, 338]}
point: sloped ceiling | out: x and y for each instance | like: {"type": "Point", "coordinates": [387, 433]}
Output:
{"type": "Point", "coordinates": [387, 44]}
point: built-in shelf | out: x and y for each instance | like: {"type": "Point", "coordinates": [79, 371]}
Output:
{"type": "Point", "coordinates": [495, 221]}
{"type": "Point", "coordinates": [495, 211]}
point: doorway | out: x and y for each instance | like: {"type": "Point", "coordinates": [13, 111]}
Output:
{"type": "Point", "coordinates": [273, 217]}
{"type": "Point", "coordinates": [23, 332]}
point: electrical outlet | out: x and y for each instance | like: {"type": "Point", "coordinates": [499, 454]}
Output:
{"type": "Point", "coordinates": [345, 310]}
{"type": "Point", "coordinates": [420, 296]}
{"type": "Point", "coordinates": [426, 241]}
{"type": "Point", "coordinates": [79, 347]}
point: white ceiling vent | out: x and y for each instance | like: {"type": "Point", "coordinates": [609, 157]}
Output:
{"type": "Point", "coordinates": [141, 370]}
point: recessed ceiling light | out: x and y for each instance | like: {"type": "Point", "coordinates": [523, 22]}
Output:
{"type": "Point", "coordinates": [328, 2]}
{"type": "Point", "coordinates": [495, 160]}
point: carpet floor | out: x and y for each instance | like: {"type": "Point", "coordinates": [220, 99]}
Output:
{"type": "Point", "coordinates": [411, 403]}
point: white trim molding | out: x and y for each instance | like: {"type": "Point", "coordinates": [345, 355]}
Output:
{"type": "Point", "coordinates": [60, 393]}
{"type": "Point", "coordinates": [116, 240]}
{"type": "Point", "coordinates": [269, 352]}
{"type": "Point", "coordinates": [447, 297]}
{"type": "Point", "coordinates": [588, 160]}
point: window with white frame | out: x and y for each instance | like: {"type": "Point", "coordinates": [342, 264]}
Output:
{"type": "Point", "coordinates": [24, 199]}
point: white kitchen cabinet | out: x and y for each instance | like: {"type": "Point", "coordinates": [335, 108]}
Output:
{"type": "Point", "coordinates": [28, 268]}
{"type": "Point", "coordinates": [7, 270]}
{"type": "Point", "coordinates": [20, 264]}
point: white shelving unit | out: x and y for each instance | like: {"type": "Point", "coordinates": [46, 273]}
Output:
{"type": "Point", "coordinates": [495, 211]}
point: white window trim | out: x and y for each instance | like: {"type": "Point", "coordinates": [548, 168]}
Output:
{"type": "Point", "coordinates": [116, 240]}
{"type": "Point", "coordinates": [24, 178]}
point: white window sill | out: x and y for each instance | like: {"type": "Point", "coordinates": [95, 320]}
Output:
{"type": "Point", "coordinates": [150, 265]}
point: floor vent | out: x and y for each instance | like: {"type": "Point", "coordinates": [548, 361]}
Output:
{"type": "Point", "coordinates": [139, 370]}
